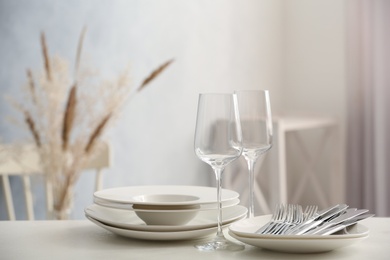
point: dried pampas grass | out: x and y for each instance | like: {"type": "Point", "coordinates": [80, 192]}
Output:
{"type": "Point", "coordinates": [46, 56]}
{"type": "Point", "coordinates": [68, 115]}
{"type": "Point", "coordinates": [154, 74]}
{"type": "Point", "coordinates": [70, 112]}
{"type": "Point", "coordinates": [31, 126]}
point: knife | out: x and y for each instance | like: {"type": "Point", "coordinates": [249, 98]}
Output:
{"type": "Point", "coordinates": [318, 219]}
{"type": "Point", "coordinates": [344, 224]}
{"type": "Point", "coordinates": [349, 214]}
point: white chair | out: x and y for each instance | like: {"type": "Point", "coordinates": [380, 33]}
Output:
{"type": "Point", "coordinates": [23, 161]}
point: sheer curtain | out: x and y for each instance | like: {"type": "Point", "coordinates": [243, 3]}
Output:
{"type": "Point", "coordinates": [368, 92]}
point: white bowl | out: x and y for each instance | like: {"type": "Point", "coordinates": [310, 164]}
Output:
{"type": "Point", "coordinates": [166, 209]}
{"type": "Point", "coordinates": [165, 199]}
{"type": "Point", "coordinates": [166, 217]}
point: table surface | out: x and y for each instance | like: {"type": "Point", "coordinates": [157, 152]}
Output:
{"type": "Point", "coordinates": [81, 239]}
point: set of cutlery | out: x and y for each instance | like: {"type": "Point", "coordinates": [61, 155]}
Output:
{"type": "Point", "coordinates": [292, 229]}
{"type": "Point", "coordinates": [292, 220]}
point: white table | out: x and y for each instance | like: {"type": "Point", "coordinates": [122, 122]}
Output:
{"type": "Point", "coordinates": [81, 239]}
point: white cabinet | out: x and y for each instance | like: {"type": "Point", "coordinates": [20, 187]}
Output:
{"type": "Point", "coordinates": [303, 166]}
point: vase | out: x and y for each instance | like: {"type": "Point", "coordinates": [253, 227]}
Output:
{"type": "Point", "coordinates": [62, 203]}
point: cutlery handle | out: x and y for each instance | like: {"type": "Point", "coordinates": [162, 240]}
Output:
{"type": "Point", "coordinates": [318, 219]}
{"type": "Point", "coordinates": [331, 230]}
{"type": "Point", "coordinates": [263, 228]}
{"type": "Point", "coordinates": [343, 221]}
{"type": "Point", "coordinates": [345, 224]}
{"type": "Point", "coordinates": [305, 228]}
{"type": "Point", "coordinates": [318, 230]}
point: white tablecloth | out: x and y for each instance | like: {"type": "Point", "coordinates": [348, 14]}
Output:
{"type": "Point", "coordinates": [81, 239]}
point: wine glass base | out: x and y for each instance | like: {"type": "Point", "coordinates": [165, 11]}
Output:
{"type": "Point", "coordinates": [220, 244]}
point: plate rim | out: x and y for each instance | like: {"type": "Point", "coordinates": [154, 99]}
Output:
{"type": "Point", "coordinates": [277, 244]}
{"type": "Point", "coordinates": [127, 206]}
{"type": "Point", "coordinates": [158, 236]}
{"type": "Point", "coordinates": [159, 228]}
{"type": "Point", "coordinates": [168, 188]}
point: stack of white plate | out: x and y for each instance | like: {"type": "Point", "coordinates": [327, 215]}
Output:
{"type": "Point", "coordinates": [245, 231]}
{"type": "Point", "coordinates": [163, 212]}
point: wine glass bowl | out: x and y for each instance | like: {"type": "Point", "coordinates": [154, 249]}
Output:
{"type": "Point", "coordinates": [218, 141]}
{"type": "Point", "coordinates": [254, 143]}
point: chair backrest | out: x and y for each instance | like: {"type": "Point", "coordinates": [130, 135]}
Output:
{"type": "Point", "coordinates": [23, 160]}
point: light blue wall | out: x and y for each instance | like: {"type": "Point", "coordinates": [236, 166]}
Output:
{"type": "Point", "coordinates": [218, 46]}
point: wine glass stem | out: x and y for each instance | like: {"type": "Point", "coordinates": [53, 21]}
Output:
{"type": "Point", "coordinates": [218, 174]}
{"type": "Point", "coordinates": [251, 166]}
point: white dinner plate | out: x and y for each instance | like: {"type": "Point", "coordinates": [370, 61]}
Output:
{"type": "Point", "coordinates": [243, 231]}
{"type": "Point", "coordinates": [149, 235]}
{"type": "Point", "coordinates": [289, 245]}
{"type": "Point", "coordinates": [128, 219]}
{"type": "Point", "coordinates": [137, 194]}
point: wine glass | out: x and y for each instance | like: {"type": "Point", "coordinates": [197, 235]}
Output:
{"type": "Point", "coordinates": [217, 143]}
{"type": "Point", "coordinates": [255, 113]}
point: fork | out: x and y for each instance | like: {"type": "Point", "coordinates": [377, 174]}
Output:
{"type": "Point", "coordinates": [298, 217]}
{"type": "Point", "coordinates": [310, 212]}
{"type": "Point", "coordinates": [286, 217]}
{"type": "Point", "coordinates": [293, 217]}
{"type": "Point", "coordinates": [277, 217]}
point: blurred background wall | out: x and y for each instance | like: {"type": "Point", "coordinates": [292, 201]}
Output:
{"type": "Point", "coordinates": [293, 48]}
